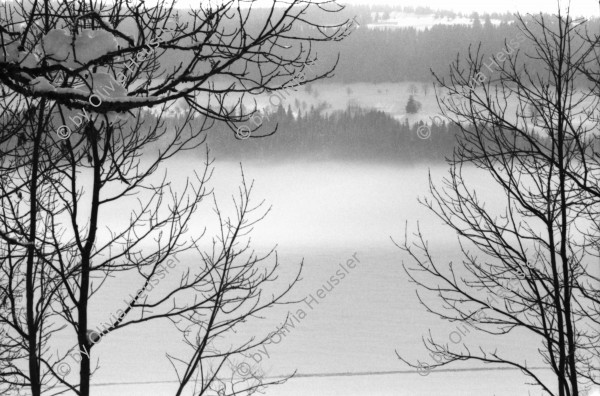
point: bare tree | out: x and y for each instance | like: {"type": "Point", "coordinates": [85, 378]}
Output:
{"type": "Point", "coordinates": [413, 89]}
{"type": "Point", "coordinates": [77, 140]}
{"type": "Point", "coordinates": [526, 267]}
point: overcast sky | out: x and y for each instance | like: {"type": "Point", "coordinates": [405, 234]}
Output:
{"type": "Point", "coordinates": [579, 7]}
{"type": "Point", "coordinates": [586, 8]}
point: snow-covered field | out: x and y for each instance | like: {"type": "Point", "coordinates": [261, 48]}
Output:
{"type": "Point", "coordinates": [398, 20]}
{"type": "Point", "coordinates": [360, 324]}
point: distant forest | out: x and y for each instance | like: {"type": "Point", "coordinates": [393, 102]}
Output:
{"type": "Point", "coordinates": [371, 55]}
{"type": "Point", "coordinates": [406, 54]}
{"type": "Point", "coordinates": [379, 55]}
{"type": "Point", "coordinates": [353, 134]}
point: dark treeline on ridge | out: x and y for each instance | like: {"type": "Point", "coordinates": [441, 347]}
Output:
{"type": "Point", "coordinates": [376, 54]}
{"type": "Point", "coordinates": [353, 134]}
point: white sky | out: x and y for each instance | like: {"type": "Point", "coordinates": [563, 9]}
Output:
{"type": "Point", "coordinates": [587, 8]}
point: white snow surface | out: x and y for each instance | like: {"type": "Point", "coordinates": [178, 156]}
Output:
{"type": "Point", "coordinates": [13, 55]}
{"type": "Point", "coordinates": [101, 84]}
{"type": "Point", "coordinates": [41, 84]}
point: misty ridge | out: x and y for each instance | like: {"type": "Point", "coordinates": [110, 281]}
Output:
{"type": "Point", "coordinates": [380, 103]}
{"type": "Point", "coordinates": [352, 134]}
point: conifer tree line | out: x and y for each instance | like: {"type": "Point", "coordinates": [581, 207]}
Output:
{"type": "Point", "coordinates": [352, 134]}
{"type": "Point", "coordinates": [379, 55]}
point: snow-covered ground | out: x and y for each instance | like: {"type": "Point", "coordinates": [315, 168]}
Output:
{"type": "Point", "coordinates": [399, 20]}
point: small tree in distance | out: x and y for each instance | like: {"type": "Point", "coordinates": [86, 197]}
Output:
{"type": "Point", "coordinates": [412, 89]}
{"type": "Point", "coordinates": [412, 106]}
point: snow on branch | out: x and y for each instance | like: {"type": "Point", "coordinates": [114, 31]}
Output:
{"type": "Point", "coordinates": [156, 56]}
